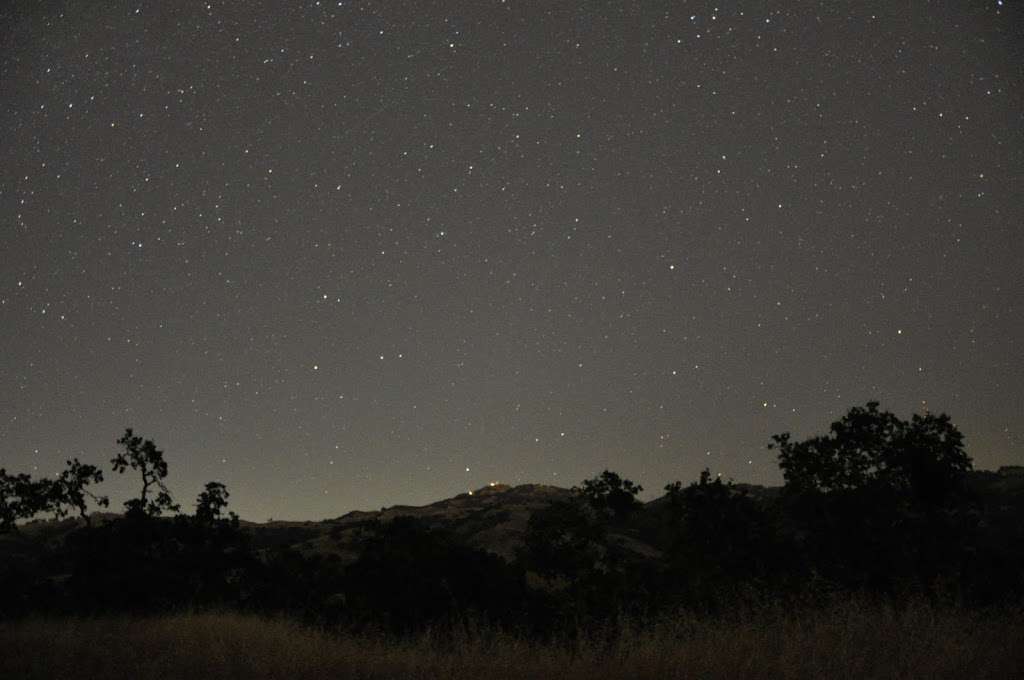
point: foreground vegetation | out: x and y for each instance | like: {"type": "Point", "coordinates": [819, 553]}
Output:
{"type": "Point", "coordinates": [847, 639]}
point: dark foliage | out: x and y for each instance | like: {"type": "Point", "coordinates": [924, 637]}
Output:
{"type": "Point", "coordinates": [581, 547]}
{"type": "Point", "coordinates": [408, 575]}
{"type": "Point", "coordinates": [923, 459]}
{"type": "Point", "coordinates": [879, 503]}
{"type": "Point", "coordinates": [719, 540]}
{"type": "Point", "coordinates": [143, 564]}
{"type": "Point", "coordinates": [566, 539]}
{"type": "Point", "coordinates": [70, 490]}
{"type": "Point", "coordinates": [143, 456]}
{"type": "Point", "coordinates": [211, 502]}
{"type": "Point", "coordinates": [20, 498]}
{"type": "Point", "coordinates": [610, 493]}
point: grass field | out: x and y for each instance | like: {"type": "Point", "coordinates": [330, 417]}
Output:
{"type": "Point", "coordinates": [849, 641]}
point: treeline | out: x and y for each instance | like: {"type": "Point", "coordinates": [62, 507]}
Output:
{"type": "Point", "coordinates": [878, 506]}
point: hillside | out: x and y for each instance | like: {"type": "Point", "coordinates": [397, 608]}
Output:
{"type": "Point", "coordinates": [493, 518]}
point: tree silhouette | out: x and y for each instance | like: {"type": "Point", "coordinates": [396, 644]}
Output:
{"type": "Point", "coordinates": [69, 490]}
{"type": "Point", "coordinates": [211, 501]}
{"type": "Point", "coordinates": [20, 498]}
{"type": "Point", "coordinates": [611, 493]}
{"type": "Point", "coordinates": [867, 447]}
{"type": "Point", "coordinates": [408, 575]}
{"type": "Point", "coordinates": [564, 539]}
{"type": "Point", "coordinates": [142, 455]}
{"type": "Point", "coordinates": [880, 500]}
{"type": "Point", "coordinates": [721, 536]}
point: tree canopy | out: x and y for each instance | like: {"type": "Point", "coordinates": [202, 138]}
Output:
{"type": "Point", "coordinates": [211, 502]}
{"type": "Point", "coordinates": [924, 456]}
{"type": "Point", "coordinates": [608, 492]}
{"type": "Point", "coordinates": [19, 499]}
{"type": "Point", "coordinates": [143, 456]}
{"type": "Point", "coordinates": [70, 489]}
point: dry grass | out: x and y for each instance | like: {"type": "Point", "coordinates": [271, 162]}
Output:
{"type": "Point", "coordinates": [851, 640]}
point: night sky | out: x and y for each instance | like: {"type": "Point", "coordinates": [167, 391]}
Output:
{"type": "Point", "coordinates": [342, 255]}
